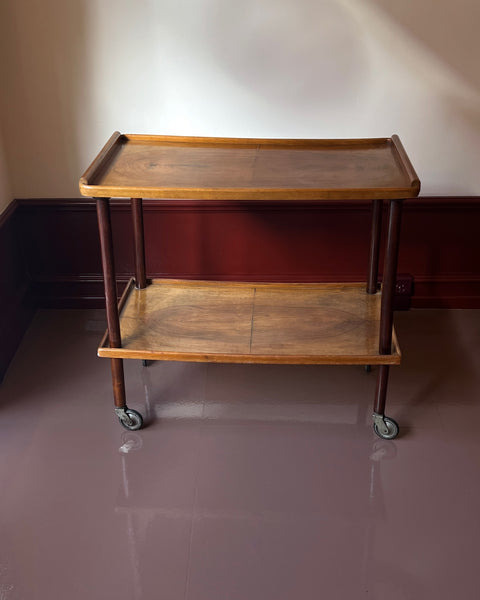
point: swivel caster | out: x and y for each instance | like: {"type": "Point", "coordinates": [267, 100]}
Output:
{"type": "Point", "coordinates": [368, 368]}
{"type": "Point", "coordinates": [129, 418]}
{"type": "Point", "coordinates": [385, 427]}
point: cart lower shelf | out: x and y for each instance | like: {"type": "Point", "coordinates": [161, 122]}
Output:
{"type": "Point", "coordinates": [205, 321]}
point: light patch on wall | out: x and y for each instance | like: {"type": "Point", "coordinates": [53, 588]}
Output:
{"type": "Point", "coordinates": [253, 43]}
{"type": "Point", "coordinates": [422, 97]}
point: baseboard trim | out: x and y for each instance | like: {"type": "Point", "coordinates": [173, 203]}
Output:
{"type": "Point", "coordinates": [87, 292]}
{"type": "Point", "coordinates": [453, 291]}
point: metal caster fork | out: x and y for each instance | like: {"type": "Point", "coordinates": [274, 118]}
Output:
{"type": "Point", "coordinates": [129, 418]}
{"type": "Point", "coordinates": [385, 427]}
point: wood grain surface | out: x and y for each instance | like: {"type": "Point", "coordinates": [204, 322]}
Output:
{"type": "Point", "coordinates": [251, 323]}
{"type": "Point", "coordinates": [250, 169]}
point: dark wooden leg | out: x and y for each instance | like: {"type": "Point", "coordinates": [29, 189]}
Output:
{"type": "Point", "coordinates": [129, 418]}
{"type": "Point", "coordinates": [140, 272]}
{"type": "Point", "coordinates": [375, 238]}
{"type": "Point", "coordinates": [118, 380]}
{"type": "Point", "coordinates": [109, 280]}
{"type": "Point", "coordinates": [384, 426]}
{"type": "Point", "coordinates": [381, 392]}
{"type": "Point", "coordinates": [390, 276]}
{"type": "Point", "coordinates": [139, 240]}
{"type": "Point", "coordinates": [372, 284]}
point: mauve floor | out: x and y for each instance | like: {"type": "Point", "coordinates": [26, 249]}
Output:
{"type": "Point", "coordinates": [250, 482]}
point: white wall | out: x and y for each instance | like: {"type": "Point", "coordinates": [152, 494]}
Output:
{"type": "Point", "coordinates": [78, 70]}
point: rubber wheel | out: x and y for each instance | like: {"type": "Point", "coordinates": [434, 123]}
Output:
{"type": "Point", "coordinates": [368, 368]}
{"type": "Point", "coordinates": [392, 427]}
{"type": "Point", "coordinates": [136, 420]}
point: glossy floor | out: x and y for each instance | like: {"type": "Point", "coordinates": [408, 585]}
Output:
{"type": "Point", "coordinates": [250, 482]}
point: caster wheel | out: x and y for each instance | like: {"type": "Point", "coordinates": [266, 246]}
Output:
{"type": "Point", "coordinates": [391, 426]}
{"type": "Point", "coordinates": [368, 368]}
{"type": "Point", "coordinates": [134, 420]}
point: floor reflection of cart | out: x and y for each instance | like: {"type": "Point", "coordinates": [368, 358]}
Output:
{"type": "Point", "coordinates": [251, 509]}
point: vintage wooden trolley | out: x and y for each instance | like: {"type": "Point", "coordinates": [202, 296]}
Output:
{"type": "Point", "coordinates": [233, 322]}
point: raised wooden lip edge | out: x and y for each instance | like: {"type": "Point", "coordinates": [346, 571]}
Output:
{"type": "Point", "coordinates": [104, 351]}
{"type": "Point", "coordinates": [267, 359]}
{"type": "Point", "coordinates": [107, 153]}
{"type": "Point", "coordinates": [168, 281]}
{"type": "Point", "coordinates": [100, 161]}
{"type": "Point", "coordinates": [241, 141]}
{"type": "Point", "coordinates": [406, 163]}
{"type": "Point", "coordinates": [251, 194]}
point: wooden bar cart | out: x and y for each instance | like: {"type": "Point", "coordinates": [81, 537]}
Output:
{"type": "Point", "coordinates": [248, 322]}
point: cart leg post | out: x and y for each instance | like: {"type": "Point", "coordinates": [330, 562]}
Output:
{"type": "Point", "coordinates": [139, 244]}
{"type": "Point", "coordinates": [129, 418]}
{"type": "Point", "coordinates": [372, 285]}
{"type": "Point", "coordinates": [109, 279]}
{"type": "Point", "coordinates": [384, 426]}
{"type": "Point", "coordinates": [380, 398]}
{"type": "Point", "coordinates": [118, 382]}
{"type": "Point", "coordinates": [375, 239]}
{"type": "Point", "coordinates": [390, 276]}
{"type": "Point", "coordinates": [139, 239]}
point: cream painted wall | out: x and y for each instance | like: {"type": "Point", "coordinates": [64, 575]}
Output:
{"type": "Point", "coordinates": [79, 70]}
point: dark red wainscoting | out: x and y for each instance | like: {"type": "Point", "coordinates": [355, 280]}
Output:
{"type": "Point", "coordinates": [440, 245]}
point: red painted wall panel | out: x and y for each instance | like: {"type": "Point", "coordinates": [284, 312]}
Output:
{"type": "Point", "coordinates": [440, 246]}
{"type": "Point", "coordinates": [50, 255]}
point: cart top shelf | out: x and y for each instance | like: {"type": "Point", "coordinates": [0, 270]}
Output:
{"type": "Point", "coordinates": [149, 166]}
